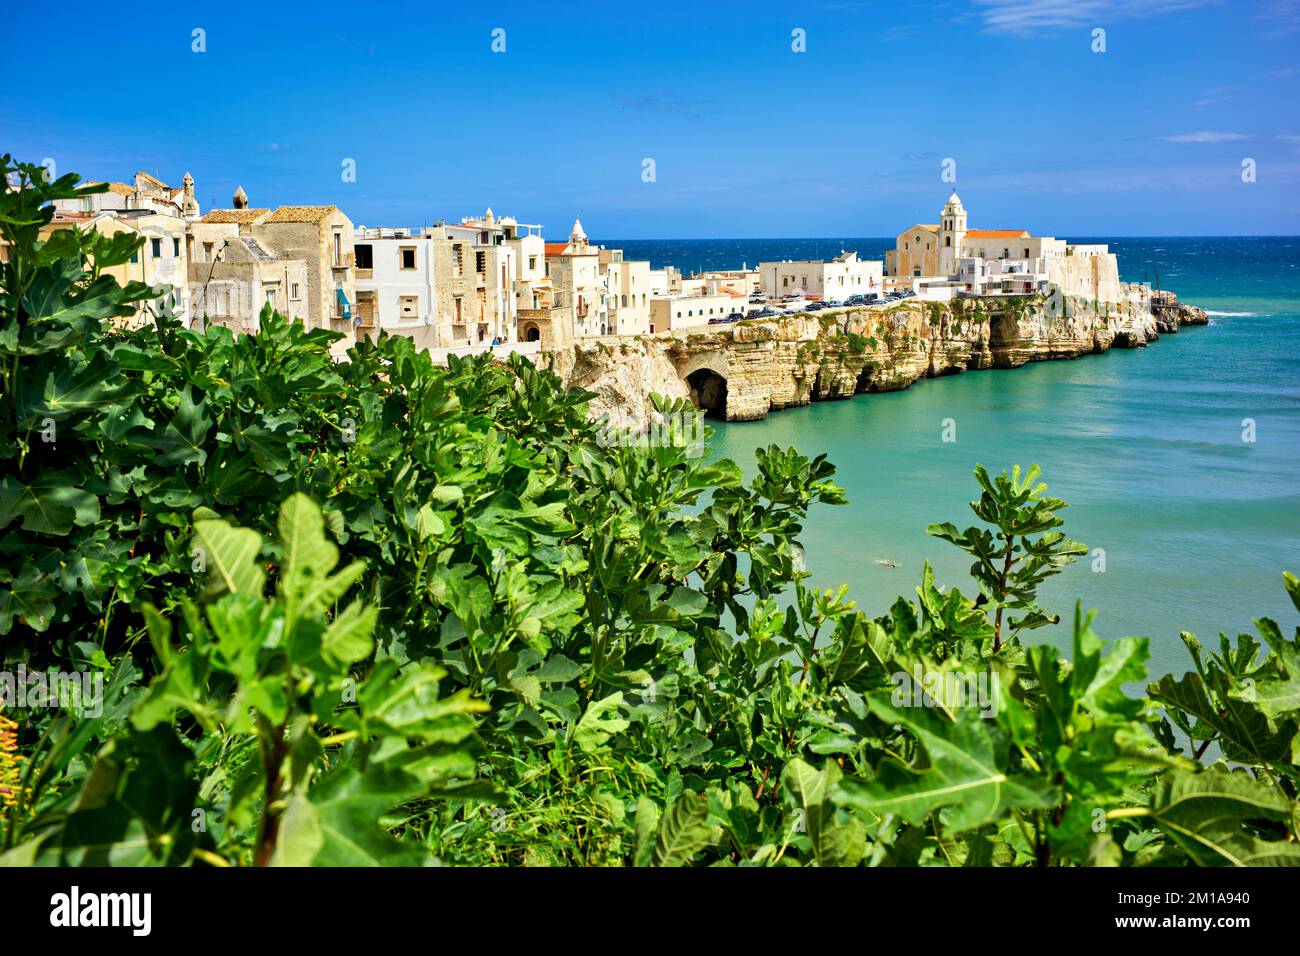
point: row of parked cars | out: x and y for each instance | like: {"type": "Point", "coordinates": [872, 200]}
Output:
{"type": "Point", "coordinates": [762, 309]}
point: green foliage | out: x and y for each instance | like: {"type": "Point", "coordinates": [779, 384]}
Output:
{"type": "Point", "coordinates": [380, 611]}
{"type": "Point", "coordinates": [1010, 562]}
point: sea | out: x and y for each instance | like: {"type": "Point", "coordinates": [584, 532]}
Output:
{"type": "Point", "coordinates": [1179, 461]}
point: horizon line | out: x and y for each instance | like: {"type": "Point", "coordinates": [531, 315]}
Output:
{"type": "Point", "coordinates": [1225, 235]}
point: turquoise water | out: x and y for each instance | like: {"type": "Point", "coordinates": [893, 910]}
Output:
{"type": "Point", "coordinates": [1146, 445]}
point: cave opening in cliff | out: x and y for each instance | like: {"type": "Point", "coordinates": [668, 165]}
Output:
{"type": "Point", "coordinates": [709, 392]}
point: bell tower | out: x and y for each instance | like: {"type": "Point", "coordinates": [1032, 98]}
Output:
{"type": "Point", "coordinates": [952, 233]}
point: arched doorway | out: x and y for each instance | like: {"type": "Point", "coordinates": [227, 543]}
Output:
{"type": "Point", "coordinates": [532, 333]}
{"type": "Point", "coordinates": [708, 392]}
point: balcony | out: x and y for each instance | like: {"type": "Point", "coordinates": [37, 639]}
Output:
{"type": "Point", "coordinates": [346, 260]}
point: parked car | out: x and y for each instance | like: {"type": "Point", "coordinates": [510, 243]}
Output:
{"type": "Point", "coordinates": [815, 306]}
{"type": "Point", "coordinates": [734, 317]}
{"type": "Point", "coordinates": [856, 300]}
{"type": "Point", "coordinates": [906, 293]}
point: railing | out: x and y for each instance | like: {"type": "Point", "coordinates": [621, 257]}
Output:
{"type": "Point", "coordinates": [526, 349]}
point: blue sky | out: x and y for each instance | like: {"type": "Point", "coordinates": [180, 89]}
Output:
{"type": "Point", "coordinates": [749, 138]}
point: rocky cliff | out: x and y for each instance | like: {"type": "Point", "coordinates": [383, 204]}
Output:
{"type": "Point", "coordinates": [743, 371]}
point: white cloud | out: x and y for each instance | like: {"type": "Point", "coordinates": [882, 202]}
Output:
{"type": "Point", "coordinates": [1206, 137]}
{"type": "Point", "coordinates": [1281, 19]}
{"type": "Point", "coordinates": [1218, 94]}
{"type": "Point", "coordinates": [1027, 17]}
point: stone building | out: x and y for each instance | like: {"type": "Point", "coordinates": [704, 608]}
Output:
{"type": "Point", "coordinates": [993, 261]}
{"type": "Point", "coordinates": [159, 262]}
{"type": "Point", "coordinates": [285, 242]}
{"type": "Point", "coordinates": [232, 274]}
{"type": "Point", "coordinates": [144, 192]}
{"type": "Point", "coordinates": [574, 270]}
{"type": "Point", "coordinates": [321, 236]}
{"type": "Point", "coordinates": [155, 211]}
{"type": "Point", "coordinates": [627, 291]}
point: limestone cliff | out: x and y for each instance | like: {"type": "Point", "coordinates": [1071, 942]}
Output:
{"type": "Point", "coordinates": [743, 371]}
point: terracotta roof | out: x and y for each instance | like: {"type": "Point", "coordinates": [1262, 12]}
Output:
{"type": "Point", "coordinates": [557, 249]}
{"type": "Point", "coordinates": [155, 181]}
{"type": "Point", "coordinates": [235, 215]}
{"type": "Point", "coordinates": [122, 189]}
{"type": "Point", "coordinates": [302, 213]}
{"type": "Point", "coordinates": [998, 234]}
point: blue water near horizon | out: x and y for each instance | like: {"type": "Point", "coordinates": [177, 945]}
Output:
{"type": "Point", "coordinates": [1146, 445]}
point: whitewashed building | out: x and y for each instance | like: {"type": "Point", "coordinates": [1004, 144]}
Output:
{"type": "Point", "coordinates": [845, 275]}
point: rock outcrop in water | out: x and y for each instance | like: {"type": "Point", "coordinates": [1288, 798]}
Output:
{"type": "Point", "coordinates": [741, 372]}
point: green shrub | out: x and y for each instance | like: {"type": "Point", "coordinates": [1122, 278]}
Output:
{"type": "Point", "coordinates": [381, 610]}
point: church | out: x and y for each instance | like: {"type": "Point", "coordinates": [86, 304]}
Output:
{"type": "Point", "coordinates": [979, 260]}
{"type": "Point", "coordinates": [935, 249]}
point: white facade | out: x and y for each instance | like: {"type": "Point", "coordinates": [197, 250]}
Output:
{"type": "Point", "coordinates": [686, 311]}
{"type": "Point", "coordinates": [846, 275]}
{"type": "Point", "coordinates": [396, 266]}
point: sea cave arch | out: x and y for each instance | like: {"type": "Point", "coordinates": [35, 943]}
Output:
{"type": "Point", "coordinates": [709, 392]}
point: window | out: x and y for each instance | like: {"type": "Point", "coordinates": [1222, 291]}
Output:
{"type": "Point", "coordinates": [480, 262]}
{"type": "Point", "coordinates": [338, 248]}
{"type": "Point", "coordinates": [155, 248]}
{"type": "Point", "coordinates": [459, 315]}
{"type": "Point", "coordinates": [365, 256]}
{"type": "Point", "coordinates": [293, 291]}
{"type": "Point", "coordinates": [1026, 253]}
{"type": "Point", "coordinates": [410, 306]}
{"type": "Point", "coordinates": [532, 263]}
{"type": "Point", "coordinates": [947, 240]}
{"type": "Point", "coordinates": [176, 248]}
{"type": "Point", "coordinates": [270, 297]}
{"type": "Point", "coordinates": [624, 301]}
{"type": "Point", "coordinates": [207, 251]}
{"type": "Point", "coordinates": [407, 258]}
{"type": "Point", "coordinates": [457, 259]}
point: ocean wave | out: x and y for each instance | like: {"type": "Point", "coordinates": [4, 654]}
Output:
{"type": "Point", "coordinates": [1231, 314]}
